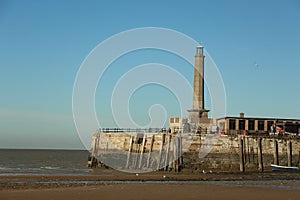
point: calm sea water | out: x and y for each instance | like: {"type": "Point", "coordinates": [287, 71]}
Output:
{"type": "Point", "coordinates": [25, 161]}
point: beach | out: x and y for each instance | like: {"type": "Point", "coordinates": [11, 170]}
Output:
{"type": "Point", "coordinates": [60, 174]}
{"type": "Point", "coordinates": [150, 191]}
{"type": "Point", "coordinates": [117, 185]}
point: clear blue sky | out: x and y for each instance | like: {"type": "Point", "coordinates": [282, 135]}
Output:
{"type": "Point", "coordinates": [255, 45]}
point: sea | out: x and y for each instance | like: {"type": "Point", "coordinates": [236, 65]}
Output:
{"type": "Point", "coordinates": [42, 161]}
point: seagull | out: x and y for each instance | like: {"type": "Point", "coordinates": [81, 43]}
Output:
{"type": "Point", "coordinates": [164, 176]}
{"type": "Point", "coordinates": [137, 174]}
{"type": "Point", "coordinates": [203, 172]}
{"type": "Point", "coordinates": [256, 65]}
{"type": "Point", "coordinates": [210, 171]}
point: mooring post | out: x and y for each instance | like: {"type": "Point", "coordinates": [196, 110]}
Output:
{"type": "Point", "coordinates": [142, 151]}
{"type": "Point", "coordinates": [259, 156]}
{"type": "Point", "coordinates": [150, 151]}
{"type": "Point", "coordinates": [276, 160]}
{"type": "Point", "coordinates": [167, 152]}
{"type": "Point", "coordinates": [160, 151]}
{"type": "Point", "coordinates": [129, 151]}
{"type": "Point", "coordinates": [289, 152]}
{"type": "Point", "coordinates": [242, 160]}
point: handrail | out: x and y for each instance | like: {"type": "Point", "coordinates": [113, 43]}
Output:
{"type": "Point", "coordinates": [130, 130]}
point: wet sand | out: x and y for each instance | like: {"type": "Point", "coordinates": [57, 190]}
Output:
{"type": "Point", "coordinates": [150, 191]}
{"type": "Point", "coordinates": [152, 186]}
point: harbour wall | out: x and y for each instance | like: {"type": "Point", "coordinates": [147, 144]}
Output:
{"type": "Point", "coordinates": [209, 152]}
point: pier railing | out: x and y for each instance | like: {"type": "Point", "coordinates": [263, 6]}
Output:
{"type": "Point", "coordinates": [131, 130]}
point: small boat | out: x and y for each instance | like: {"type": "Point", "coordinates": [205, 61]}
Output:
{"type": "Point", "coordinates": [284, 168]}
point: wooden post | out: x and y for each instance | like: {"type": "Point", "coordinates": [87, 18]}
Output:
{"type": "Point", "coordinates": [289, 152]}
{"type": "Point", "coordinates": [276, 160]}
{"type": "Point", "coordinates": [167, 153]}
{"type": "Point", "coordinates": [260, 158]}
{"type": "Point", "coordinates": [176, 159]}
{"type": "Point", "coordinates": [137, 150]}
{"type": "Point", "coordinates": [150, 151]}
{"type": "Point", "coordinates": [248, 150]}
{"type": "Point", "coordinates": [174, 154]}
{"type": "Point", "coordinates": [160, 151]}
{"type": "Point", "coordinates": [180, 155]}
{"type": "Point", "coordinates": [142, 151]}
{"type": "Point", "coordinates": [299, 159]}
{"type": "Point", "coordinates": [242, 160]}
{"type": "Point", "coordinates": [129, 151]}
{"type": "Point", "coordinates": [245, 150]}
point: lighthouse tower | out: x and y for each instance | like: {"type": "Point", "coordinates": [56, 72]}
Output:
{"type": "Point", "coordinates": [198, 115]}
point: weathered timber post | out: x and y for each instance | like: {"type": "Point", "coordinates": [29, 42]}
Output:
{"type": "Point", "coordinates": [142, 151]}
{"type": "Point", "coordinates": [245, 150]}
{"type": "Point", "coordinates": [167, 152]}
{"type": "Point", "coordinates": [289, 152]}
{"type": "Point", "coordinates": [180, 155]}
{"type": "Point", "coordinates": [260, 158]}
{"type": "Point", "coordinates": [137, 150]}
{"type": "Point", "coordinates": [241, 152]}
{"type": "Point", "coordinates": [299, 159]}
{"type": "Point", "coordinates": [176, 154]}
{"type": "Point", "coordinates": [276, 160]}
{"type": "Point", "coordinates": [161, 150]}
{"type": "Point", "coordinates": [248, 150]}
{"type": "Point", "coordinates": [150, 151]}
{"type": "Point", "coordinates": [129, 151]}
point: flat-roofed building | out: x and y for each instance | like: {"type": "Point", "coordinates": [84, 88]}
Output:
{"type": "Point", "coordinates": [256, 125]}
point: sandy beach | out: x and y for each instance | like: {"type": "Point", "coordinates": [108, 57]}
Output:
{"type": "Point", "coordinates": [150, 186]}
{"type": "Point", "coordinates": [150, 191]}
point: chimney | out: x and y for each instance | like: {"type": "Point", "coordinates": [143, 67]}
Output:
{"type": "Point", "coordinates": [242, 115]}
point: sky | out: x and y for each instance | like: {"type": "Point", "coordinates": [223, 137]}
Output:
{"type": "Point", "coordinates": [255, 45]}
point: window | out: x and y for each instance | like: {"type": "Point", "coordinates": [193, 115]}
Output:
{"type": "Point", "coordinates": [241, 124]}
{"type": "Point", "coordinates": [261, 125]}
{"type": "Point", "coordinates": [270, 123]}
{"type": "Point", "coordinates": [232, 124]}
{"type": "Point", "coordinates": [177, 120]}
{"type": "Point", "coordinates": [251, 125]}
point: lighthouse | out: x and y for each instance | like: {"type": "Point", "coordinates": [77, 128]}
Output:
{"type": "Point", "coordinates": [198, 115]}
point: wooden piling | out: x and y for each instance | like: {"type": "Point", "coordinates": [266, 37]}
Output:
{"type": "Point", "coordinates": [160, 151]}
{"type": "Point", "coordinates": [248, 150]}
{"type": "Point", "coordinates": [276, 160]}
{"type": "Point", "coordinates": [241, 152]}
{"type": "Point", "coordinates": [289, 152]}
{"type": "Point", "coordinates": [137, 150]}
{"type": "Point", "coordinates": [129, 151]}
{"type": "Point", "coordinates": [259, 156]}
{"type": "Point", "coordinates": [167, 152]}
{"type": "Point", "coordinates": [176, 154]}
{"type": "Point", "coordinates": [175, 159]}
{"type": "Point", "coordinates": [150, 151]}
{"type": "Point", "coordinates": [245, 150]}
{"type": "Point", "coordinates": [299, 160]}
{"type": "Point", "coordinates": [142, 151]}
{"type": "Point", "coordinates": [180, 155]}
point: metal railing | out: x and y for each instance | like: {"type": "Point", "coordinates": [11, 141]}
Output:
{"type": "Point", "coordinates": [130, 130]}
